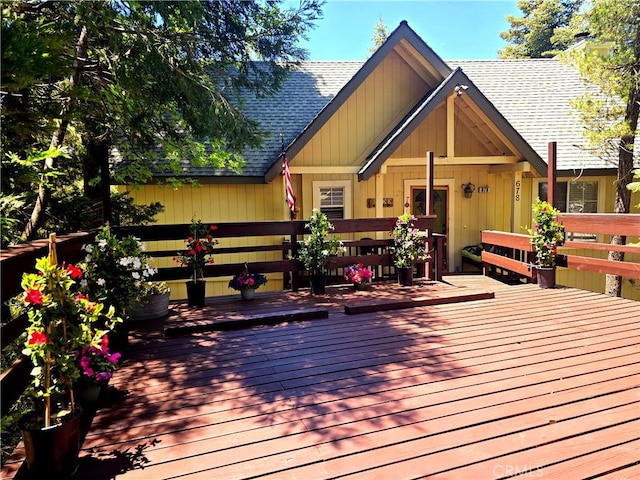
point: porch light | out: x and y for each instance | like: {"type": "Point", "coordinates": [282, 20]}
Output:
{"type": "Point", "coordinates": [468, 189]}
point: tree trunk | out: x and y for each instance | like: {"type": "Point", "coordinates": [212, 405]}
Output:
{"type": "Point", "coordinates": [613, 285]}
{"type": "Point", "coordinates": [44, 190]}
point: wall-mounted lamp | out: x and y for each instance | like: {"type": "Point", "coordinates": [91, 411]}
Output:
{"type": "Point", "coordinates": [468, 189]}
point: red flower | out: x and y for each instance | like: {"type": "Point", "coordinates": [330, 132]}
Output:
{"type": "Point", "coordinates": [104, 343]}
{"type": "Point", "coordinates": [82, 297]}
{"type": "Point", "coordinates": [73, 271]}
{"type": "Point", "coordinates": [37, 338]}
{"type": "Point", "coordinates": [213, 227]}
{"type": "Point", "coordinates": [33, 296]}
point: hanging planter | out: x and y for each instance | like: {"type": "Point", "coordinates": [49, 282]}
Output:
{"type": "Point", "coordinates": [247, 283]}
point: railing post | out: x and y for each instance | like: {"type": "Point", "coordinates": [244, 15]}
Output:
{"type": "Point", "coordinates": [439, 250]}
{"type": "Point", "coordinates": [295, 284]}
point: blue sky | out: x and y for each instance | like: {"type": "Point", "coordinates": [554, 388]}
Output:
{"type": "Point", "coordinates": [455, 29]}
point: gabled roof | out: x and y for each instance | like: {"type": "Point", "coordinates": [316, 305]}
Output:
{"type": "Point", "coordinates": [400, 133]}
{"type": "Point", "coordinates": [400, 34]}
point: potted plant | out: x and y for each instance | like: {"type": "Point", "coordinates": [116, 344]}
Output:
{"type": "Point", "coordinates": [247, 283]}
{"type": "Point", "coordinates": [546, 236]}
{"type": "Point", "coordinates": [60, 318]}
{"type": "Point", "coordinates": [96, 366]}
{"type": "Point", "coordinates": [114, 271]}
{"type": "Point", "coordinates": [359, 275]}
{"type": "Point", "coordinates": [409, 245]}
{"type": "Point", "coordinates": [198, 252]}
{"type": "Point", "coordinates": [316, 249]}
{"type": "Point", "coordinates": [153, 303]}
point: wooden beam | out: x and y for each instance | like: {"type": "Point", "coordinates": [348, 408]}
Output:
{"type": "Point", "coordinates": [602, 223]}
{"type": "Point", "coordinates": [551, 173]}
{"type": "Point", "coordinates": [523, 167]}
{"type": "Point", "coordinates": [451, 122]}
{"type": "Point", "coordinates": [603, 247]}
{"type": "Point", "coordinates": [475, 160]}
{"type": "Point", "coordinates": [507, 263]}
{"type": "Point", "coordinates": [518, 241]}
{"type": "Point", "coordinates": [601, 265]}
{"type": "Point", "coordinates": [301, 169]}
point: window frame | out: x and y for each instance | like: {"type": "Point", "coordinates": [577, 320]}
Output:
{"type": "Point", "coordinates": [344, 184]}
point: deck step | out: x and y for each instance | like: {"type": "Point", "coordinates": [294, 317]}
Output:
{"type": "Point", "coordinates": [271, 318]}
{"type": "Point", "coordinates": [370, 306]}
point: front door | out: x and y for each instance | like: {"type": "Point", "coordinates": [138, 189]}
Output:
{"type": "Point", "coordinates": [441, 207]}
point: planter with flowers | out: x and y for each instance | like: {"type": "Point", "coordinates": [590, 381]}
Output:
{"type": "Point", "coordinates": [153, 303]}
{"type": "Point", "coordinates": [409, 245]}
{"type": "Point", "coordinates": [115, 270]}
{"type": "Point", "coordinates": [359, 275]}
{"type": "Point", "coordinates": [247, 283]}
{"type": "Point", "coordinates": [198, 252]}
{"type": "Point", "coordinates": [546, 236]}
{"type": "Point", "coordinates": [61, 321]}
{"type": "Point", "coordinates": [96, 366]}
{"type": "Point", "coordinates": [316, 249]}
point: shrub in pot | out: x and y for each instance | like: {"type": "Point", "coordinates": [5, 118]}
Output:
{"type": "Point", "coordinates": [247, 283]}
{"type": "Point", "coordinates": [408, 246]}
{"type": "Point", "coordinates": [546, 236]}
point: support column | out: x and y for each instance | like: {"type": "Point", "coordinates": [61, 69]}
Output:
{"type": "Point", "coordinates": [551, 173]}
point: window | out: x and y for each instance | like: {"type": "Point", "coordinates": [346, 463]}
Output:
{"type": "Point", "coordinates": [574, 197]}
{"type": "Point", "coordinates": [333, 198]}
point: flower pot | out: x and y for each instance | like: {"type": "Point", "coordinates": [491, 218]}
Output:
{"type": "Point", "coordinates": [51, 452]}
{"type": "Point", "coordinates": [151, 306]}
{"type": "Point", "coordinates": [248, 293]}
{"type": "Point", "coordinates": [195, 293]}
{"type": "Point", "coordinates": [405, 276]}
{"type": "Point", "coordinates": [361, 286]}
{"type": "Point", "coordinates": [119, 337]}
{"type": "Point", "coordinates": [318, 283]}
{"type": "Point", "coordinates": [546, 277]}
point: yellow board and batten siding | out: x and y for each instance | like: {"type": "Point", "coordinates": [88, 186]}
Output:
{"type": "Point", "coordinates": [218, 203]}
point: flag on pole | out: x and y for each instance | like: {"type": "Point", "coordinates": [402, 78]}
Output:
{"type": "Point", "coordinates": [289, 196]}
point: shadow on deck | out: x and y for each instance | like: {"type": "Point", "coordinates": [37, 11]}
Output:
{"type": "Point", "coordinates": [530, 382]}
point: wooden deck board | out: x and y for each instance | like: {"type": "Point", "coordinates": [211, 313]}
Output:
{"type": "Point", "coordinates": [531, 379]}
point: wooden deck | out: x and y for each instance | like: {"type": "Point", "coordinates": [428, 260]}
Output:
{"type": "Point", "coordinates": [536, 383]}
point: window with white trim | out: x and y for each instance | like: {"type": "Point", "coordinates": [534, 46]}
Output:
{"type": "Point", "coordinates": [333, 198]}
{"type": "Point", "coordinates": [580, 196]}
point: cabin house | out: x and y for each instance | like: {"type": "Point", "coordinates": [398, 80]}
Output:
{"type": "Point", "coordinates": [356, 136]}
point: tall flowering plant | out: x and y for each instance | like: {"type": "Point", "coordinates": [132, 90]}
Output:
{"type": "Point", "coordinates": [547, 234]}
{"type": "Point", "coordinates": [61, 319]}
{"type": "Point", "coordinates": [115, 270]}
{"type": "Point", "coordinates": [317, 248]}
{"type": "Point", "coordinates": [408, 242]}
{"type": "Point", "coordinates": [199, 249]}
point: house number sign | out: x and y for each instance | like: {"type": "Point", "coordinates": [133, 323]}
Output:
{"type": "Point", "coordinates": [518, 190]}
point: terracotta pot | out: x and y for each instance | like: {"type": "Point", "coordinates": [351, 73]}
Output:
{"type": "Point", "coordinates": [405, 276]}
{"type": "Point", "coordinates": [248, 293]}
{"type": "Point", "coordinates": [51, 452]}
{"type": "Point", "coordinates": [318, 282]}
{"type": "Point", "coordinates": [196, 293]}
{"type": "Point", "coordinates": [546, 277]}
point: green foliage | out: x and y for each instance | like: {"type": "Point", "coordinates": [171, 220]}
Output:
{"type": "Point", "coordinates": [546, 234]}
{"type": "Point", "coordinates": [317, 248]}
{"type": "Point", "coordinates": [610, 116]}
{"type": "Point", "coordinates": [408, 242]}
{"type": "Point", "coordinates": [161, 81]}
{"type": "Point", "coordinates": [635, 186]}
{"type": "Point", "coordinates": [544, 30]}
{"type": "Point", "coordinates": [115, 270]}
{"type": "Point", "coordinates": [380, 34]}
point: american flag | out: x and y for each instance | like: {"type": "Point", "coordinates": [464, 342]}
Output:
{"type": "Point", "coordinates": [290, 197]}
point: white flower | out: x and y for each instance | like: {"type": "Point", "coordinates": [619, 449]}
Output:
{"type": "Point", "coordinates": [102, 243]}
{"type": "Point", "coordinates": [143, 247]}
{"type": "Point", "coordinates": [135, 275]}
{"type": "Point", "coordinates": [136, 262]}
{"type": "Point", "coordinates": [124, 261]}
{"type": "Point", "coordinates": [87, 258]}
{"type": "Point", "coordinates": [84, 283]}
{"type": "Point", "coordinates": [88, 249]}
{"type": "Point", "coordinates": [101, 282]}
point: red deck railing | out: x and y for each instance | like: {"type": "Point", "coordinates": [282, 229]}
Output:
{"type": "Point", "coordinates": [512, 254]}
{"type": "Point", "coordinates": [16, 260]}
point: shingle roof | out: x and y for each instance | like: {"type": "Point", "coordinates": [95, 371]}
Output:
{"type": "Point", "coordinates": [533, 95]}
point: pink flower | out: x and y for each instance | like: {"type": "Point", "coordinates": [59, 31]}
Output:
{"type": "Point", "coordinates": [113, 358]}
{"type": "Point", "coordinates": [33, 297]}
